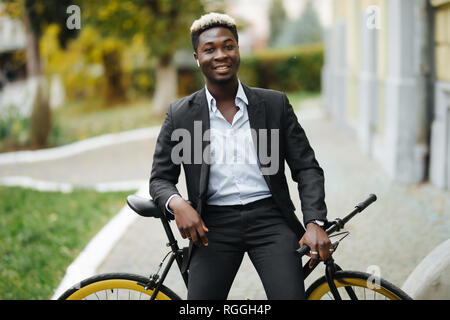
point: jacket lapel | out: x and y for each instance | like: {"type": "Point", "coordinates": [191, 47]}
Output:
{"type": "Point", "coordinates": [200, 113]}
{"type": "Point", "coordinates": [257, 117]}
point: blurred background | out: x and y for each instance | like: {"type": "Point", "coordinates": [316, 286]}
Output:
{"type": "Point", "coordinates": [72, 70]}
{"type": "Point", "coordinates": [131, 59]}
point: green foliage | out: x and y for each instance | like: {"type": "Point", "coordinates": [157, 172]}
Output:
{"type": "Point", "coordinates": [306, 29]}
{"type": "Point", "coordinates": [14, 130]}
{"type": "Point", "coordinates": [111, 51]}
{"type": "Point", "coordinates": [42, 13]}
{"type": "Point", "coordinates": [41, 233]}
{"type": "Point", "coordinates": [288, 69]}
{"type": "Point", "coordinates": [165, 23]}
{"type": "Point", "coordinates": [277, 17]}
{"type": "Point", "coordinates": [91, 65]}
{"type": "Point", "coordinates": [79, 65]}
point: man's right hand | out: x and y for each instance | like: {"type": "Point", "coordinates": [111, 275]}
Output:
{"type": "Point", "coordinates": [189, 222]}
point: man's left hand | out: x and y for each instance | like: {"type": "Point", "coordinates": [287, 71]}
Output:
{"type": "Point", "coordinates": [318, 242]}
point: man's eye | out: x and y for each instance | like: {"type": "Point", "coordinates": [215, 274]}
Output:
{"type": "Point", "coordinates": [229, 47]}
{"type": "Point", "coordinates": [209, 50]}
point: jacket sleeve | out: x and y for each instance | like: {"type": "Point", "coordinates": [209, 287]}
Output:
{"type": "Point", "coordinates": [164, 175]}
{"type": "Point", "coordinates": [304, 167]}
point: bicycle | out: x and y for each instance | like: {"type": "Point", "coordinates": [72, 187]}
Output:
{"type": "Point", "coordinates": [336, 284]}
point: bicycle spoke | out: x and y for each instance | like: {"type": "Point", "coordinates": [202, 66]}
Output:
{"type": "Point", "coordinates": [353, 292]}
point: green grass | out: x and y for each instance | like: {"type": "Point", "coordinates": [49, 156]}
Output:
{"type": "Point", "coordinates": [41, 233]}
{"type": "Point", "coordinates": [80, 120]}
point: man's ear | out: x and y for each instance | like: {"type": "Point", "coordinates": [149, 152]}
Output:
{"type": "Point", "coordinates": [196, 58]}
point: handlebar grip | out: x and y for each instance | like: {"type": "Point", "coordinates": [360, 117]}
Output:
{"type": "Point", "coordinates": [303, 250]}
{"type": "Point", "coordinates": [362, 205]}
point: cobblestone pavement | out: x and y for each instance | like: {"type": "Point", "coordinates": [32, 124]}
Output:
{"type": "Point", "coordinates": [394, 234]}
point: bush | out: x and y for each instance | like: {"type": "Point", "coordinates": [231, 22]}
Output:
{"type": "Point", "coordinates": [14, 130]}
{"type": "Point", "coordinates": [287, 69]}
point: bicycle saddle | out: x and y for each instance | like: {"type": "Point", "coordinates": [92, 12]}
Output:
{"type": "Point", "coordinates": [143, 207]}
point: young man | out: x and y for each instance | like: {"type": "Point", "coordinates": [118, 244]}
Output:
{"type": "Point", "coordinates": [238, 206]}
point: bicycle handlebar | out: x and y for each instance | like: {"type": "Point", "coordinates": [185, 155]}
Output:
{"type": "Point", "coordinates": [372, 198]}
{"type": "Point", "coordinates": [339, 223]}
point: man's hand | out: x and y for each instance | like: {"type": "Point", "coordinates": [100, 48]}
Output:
{"type": "Point", "coordinates": [188, 221]}
{"type": "Point", "coordinates": [318, 242]}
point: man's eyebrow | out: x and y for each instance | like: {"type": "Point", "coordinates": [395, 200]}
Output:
{"type": "Point", "coordinates": [212, 42]}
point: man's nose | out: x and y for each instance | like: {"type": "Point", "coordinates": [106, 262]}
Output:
{"type": "Point", "coordinates": [221, 54]}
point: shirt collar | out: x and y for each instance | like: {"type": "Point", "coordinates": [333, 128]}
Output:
{"type": "Point", "coordinates": [240, 96]}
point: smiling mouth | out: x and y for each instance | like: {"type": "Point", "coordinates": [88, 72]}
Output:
{"type": "Point", "coordinates": [221, 68]}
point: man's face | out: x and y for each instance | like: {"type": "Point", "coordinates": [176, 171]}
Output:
{"type": "Point", "coordinates": [218, 55]}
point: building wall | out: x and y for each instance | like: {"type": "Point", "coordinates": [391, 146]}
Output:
{"type": "Point", "coordinates": [440, 128]}
{"type": "Point", "coordinates": [376, 79]}
{"type": "Point", "coordinates": [442, 39]}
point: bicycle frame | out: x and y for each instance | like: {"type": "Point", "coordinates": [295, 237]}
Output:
{"type": "Point", "coordinates": [155, 281]}
{"type": "Point", "coordinates": [177, 254]}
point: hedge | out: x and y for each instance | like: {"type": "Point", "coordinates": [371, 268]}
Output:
{"type": "Point", "coordinates": [287, 69]}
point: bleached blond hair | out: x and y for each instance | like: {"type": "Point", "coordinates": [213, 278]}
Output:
{"type": "Point", "coordinates": [211, 20]}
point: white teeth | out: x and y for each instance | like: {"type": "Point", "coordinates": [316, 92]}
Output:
{"type": "Point", "coordinates": [222, 68]}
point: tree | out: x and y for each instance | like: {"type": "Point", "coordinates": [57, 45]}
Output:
{"type": "Point", "coordinates": [306, 29]}
{"type": "Point", "coordinates": [277, 17]}
{"type": "Point", "coordinates": [36, 15]}
{"type": "Point", "coordinates": [165, 26]}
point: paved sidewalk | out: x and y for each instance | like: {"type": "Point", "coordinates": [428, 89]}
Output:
{"type": "Point", "coordinates": [128, 161]}
{"type": "Point", "coordinates": [394, 234]}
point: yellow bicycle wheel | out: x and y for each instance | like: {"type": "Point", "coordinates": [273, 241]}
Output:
{"type": "Point", "coordinates": [363, 286]}
{"type": "Point", "coordinates": [115, 286]}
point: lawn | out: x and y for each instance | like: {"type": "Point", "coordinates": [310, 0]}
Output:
{"type": "Point", "coordinates": [80, 120]}
{"type": "Point", "coordinates": [41, 233]}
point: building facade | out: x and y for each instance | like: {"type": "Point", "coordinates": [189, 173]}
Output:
{"type": "Point", "coordinates": [386, 77]}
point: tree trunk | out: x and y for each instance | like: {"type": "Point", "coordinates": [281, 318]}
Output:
{"type": "Point", "coordinates": [166, 86]}
{"type": "Point", "coordinates": [40, 118]}
{"type": "Point", "coordinates": [115, 91]}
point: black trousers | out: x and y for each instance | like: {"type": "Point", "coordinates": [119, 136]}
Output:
{"type": "Point", "coordinates": [260, 230]}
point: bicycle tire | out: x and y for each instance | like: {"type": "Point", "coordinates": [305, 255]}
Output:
{"type": "Point", "coordinates": [358, 280]}
{"type": "Point", "coordinates": [98, 287]}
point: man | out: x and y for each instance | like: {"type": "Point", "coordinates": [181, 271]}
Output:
{"type": "Point", "coordinates": [238, 206]}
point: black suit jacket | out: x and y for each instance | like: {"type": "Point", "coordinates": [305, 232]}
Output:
{"type": "Point", "coordinates": [267, 109]}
